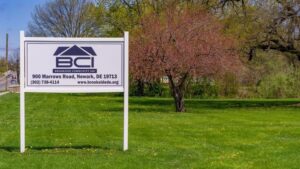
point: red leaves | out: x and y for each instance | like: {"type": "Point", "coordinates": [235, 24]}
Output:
{"type": "Point", "coordinates": [179, 42]}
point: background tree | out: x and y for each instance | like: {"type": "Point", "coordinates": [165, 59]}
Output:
{"type": "Point", "coordinates": [2, 65]}
{"type": "Point", "coordinates": [269, 25]}
{"type": "Point", "coordinates": [181, 43]}
{"type": "Point", "coordinates": [125, 15]}
{"type": "Point", "coordinates": [65, 18]}
{"type": "Point", "coordinates": [14, 63]}
{"type": "Point", "coordinates": [121, 15]}
{"type": "Point", "coordinates": [282, 31]}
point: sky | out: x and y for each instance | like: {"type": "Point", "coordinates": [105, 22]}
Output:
{"type": "Point", "coordinates": [14, 17]}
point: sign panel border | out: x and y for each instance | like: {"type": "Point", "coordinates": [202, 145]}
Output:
{"type": "Point", "coordinates": [72, 88]}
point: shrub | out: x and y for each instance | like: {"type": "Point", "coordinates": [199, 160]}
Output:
{"type": "Point", "coordinates": [281, 85]}
{"type": "Point", "coordinates": [138, 88]}
{"type": "Point", "coordinates": [202, 88]}
{"type": "Point", "coordinates": [229, 85]}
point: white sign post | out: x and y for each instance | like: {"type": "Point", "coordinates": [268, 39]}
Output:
{"type": "Point", "coordinates": [73, 65]}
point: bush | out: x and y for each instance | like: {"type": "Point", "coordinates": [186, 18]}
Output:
{"type": "Point", "coordinates": [281, 85]}
{"type": "Point", "coordinates": [154, 89]}
{"type": "Point", "coordinates": [138, 88]}
{"type": "Point", "coordinates": [229, 85]}
{"type": "Point", "coordinates": [202, 88]}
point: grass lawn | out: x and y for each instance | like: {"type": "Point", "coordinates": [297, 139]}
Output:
{"type": "Point", "coordinates": [85, 131]}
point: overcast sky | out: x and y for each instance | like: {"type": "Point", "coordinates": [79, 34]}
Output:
{"type": "Point", "coordinates": [14, 16]}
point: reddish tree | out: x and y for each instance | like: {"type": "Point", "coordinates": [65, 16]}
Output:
{"type": "Point", "coordinates": [181, 44]}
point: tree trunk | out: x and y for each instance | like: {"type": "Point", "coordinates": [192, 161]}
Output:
{"type": "Point", "coordinates": [178, 88]}
{"type": "Point", "coordinates": [178, 99]}
{"type": "Point", "coordinates": [18, 71]}
{"type": "Point", "coordinates": [140, 88]}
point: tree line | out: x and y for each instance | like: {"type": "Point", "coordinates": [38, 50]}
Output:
{"type": "Point", "coordinates": [190, 42]}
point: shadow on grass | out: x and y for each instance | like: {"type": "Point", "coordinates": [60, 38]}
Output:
{"type": "Point", "coordinates": [222, 104]}
{"type": "Point", "coordinates": [41, 148]}
{"type": "Point", "coordinates": [94, 94]}
{"type": "Point", "coordinates": [167, 105]}
{"type": "Point", "coordinates": [107, 103]}
{"type": "Point", "coordinates": [214, 103]}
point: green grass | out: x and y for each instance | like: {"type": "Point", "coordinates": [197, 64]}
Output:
{"type": "Point", "coordinates": [85, 131]}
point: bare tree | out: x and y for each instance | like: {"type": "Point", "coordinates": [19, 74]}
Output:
{"type": "Point", "coordinates": [14, 63]}
{"type": "Point", "coordinates": [270, 25]}
{"type": "Point", "coordinates": [64, 18]}
{"type": "Point", "coordinates": [282, 31]}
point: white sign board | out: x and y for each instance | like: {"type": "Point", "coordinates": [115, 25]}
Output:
{"type": "Point", "coordinates": [73, 65]}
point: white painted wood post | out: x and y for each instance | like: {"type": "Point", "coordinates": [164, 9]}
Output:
{"type": "Point", "coordinates": [126, 89]}
{"type": "Point", "coordinates": [22, 94]}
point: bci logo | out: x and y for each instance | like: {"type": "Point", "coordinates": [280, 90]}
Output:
{"type": "Point", "coordinates": [75, 60]}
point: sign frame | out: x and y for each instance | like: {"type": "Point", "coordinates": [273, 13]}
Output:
{"type": "Point", "coordinates": [90, 89]}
